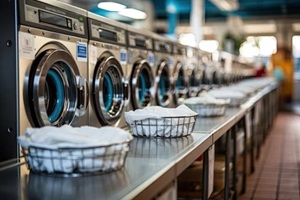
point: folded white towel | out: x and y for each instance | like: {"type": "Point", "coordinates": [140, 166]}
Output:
{"type": "Point", "coordinates": [236, 97]}
{"type": "Point", "coordinates": [158, 112]}
{"type": "Point", "coordinates": [67, 136]}
{"type": "Point", "coordinates": [227, 94]}
{"type": "Point", "coordinates": [205, 99]}
{"type": "Point", "coordinates": [157, 121]}
{"type": "Point", "coordinates": [240, 88]}
{"type": "Point", "coordinates": [88, 152]}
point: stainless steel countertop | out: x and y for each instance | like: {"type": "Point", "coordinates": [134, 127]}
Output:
{"type": "Point", "coordinates": [151, 165]}
{"type": "Point", "coordinates": [149, 162]}
{"type": "Point", "coordinates": [217, 126]}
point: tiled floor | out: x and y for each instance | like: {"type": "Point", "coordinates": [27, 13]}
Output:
{"type": "Point", "coordinates": [277, 174]}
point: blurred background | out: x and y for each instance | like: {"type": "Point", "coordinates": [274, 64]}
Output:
{"type": "Point", "coordinates": [264, 31]}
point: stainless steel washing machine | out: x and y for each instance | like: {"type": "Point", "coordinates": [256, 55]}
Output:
{"type": "Point", "coordinates": [194, 72]}
{"type": "Point", "coordinates": [162, 71]}
{"type": "Point", "coordinates": [52, 64]}
{"type": "Point", "coordinates": [180, 79]}
{"type": "Point", "coordinates": [209, 77]}
{"type": "Point", "coordinates": [107, 70]}
{"type": "Point", "coordinates": [140, 68]}
{"type": "Point", "coordinates": [217, 75]}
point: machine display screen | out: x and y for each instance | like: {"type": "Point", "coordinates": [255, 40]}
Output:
{"type": "Point", "coordinates": [162, 47]}
{"type": "Point", "coordinates": [108, 35]}
{"type": "Point", "coordinates": [140, 43]}
{"type": "Point", "coordinates": [56, 20]}
{"type": "Point", "coordinates": [180, 52]}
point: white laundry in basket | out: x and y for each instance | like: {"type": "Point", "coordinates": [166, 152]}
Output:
{"type": "Point", "coordinates": [64, 149]}
{"type": "Point", "coordinates": [162, 122]}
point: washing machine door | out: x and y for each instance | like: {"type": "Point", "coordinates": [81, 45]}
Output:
{"type": "Point", "coordinates": [180, 83]}
{"type": "Point", "coordinates": [108, 89]}
{"type": "Point", "coordinates": [54, 91]}
{"type": "Point", "coordinates": [141, 85]}
{"type": "Point", "coordinates": [215, 79]}
{"type": "Point", "coordinates": [194, 81]}
{"type": "Point", "coordinates": [163, 85]}
{"type": "Point", "coordinates": [221, 78]}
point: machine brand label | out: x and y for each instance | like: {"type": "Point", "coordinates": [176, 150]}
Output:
{"type": "Point", "coordinates": [26, 45]}
{"type": "Point", "coordinates": [151, 59]}
{"type": "Point", "coordinates": [93, 54]}
{"type": "Point", "coordinates": [81, 51]}
{"type": "Point", "coordinates": [123, 56]}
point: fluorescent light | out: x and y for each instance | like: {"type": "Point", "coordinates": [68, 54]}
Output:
{"type": "Point", "coordinates": [226, 5]}
{"type": "Point", "coordinates": [187, 39]}
{"type": "Point", "coordinates": [209, 45]}
{"type": "Point", "coordinates": [259, 28]}
{"type": "Point", "coordinates": [133, 13]}
{"type": "Point", "coordinates": [111, 6]}
{"type": "Point", "coordinates": [267, 46]}
{"type": "Point", "coordinates": [296, 42]}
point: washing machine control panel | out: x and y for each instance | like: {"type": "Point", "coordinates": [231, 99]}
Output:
{"type": "Point", "coordinates": [107, 33]}
{"type": "Point", "coordinates": [162, 46]}
{"type": "Point", "coordinates": [191, 52]}
{"type": "Point", "coordinates": [140, 41]}
{"type": "Point", "coordinates": [52, 17]}
{"type": "Point", "coordinates": [179, 50]}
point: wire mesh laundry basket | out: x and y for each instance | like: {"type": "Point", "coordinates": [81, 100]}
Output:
{"type": "Point", "coordinates": [235, 102]}
{"type": "Point", "coordinates": [164, 127]}
{"type": "Point", "coordinates": [158, 147]}
{"type": "Point", "coordinates": [209, 110]}
{"type": "Point", "coordinates": [76, 161]}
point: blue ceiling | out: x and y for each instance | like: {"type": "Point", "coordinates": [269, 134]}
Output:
{"type": "Point", "coordinates": [248, 9]}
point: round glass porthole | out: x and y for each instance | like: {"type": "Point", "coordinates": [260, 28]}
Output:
{"type": "Point", "coordinates": [108, 90]}
{"type": "Point", "coordinates": [141, 85]}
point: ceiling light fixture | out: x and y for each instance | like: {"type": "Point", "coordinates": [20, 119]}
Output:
{"type": "Point", "coordinates": [133, 13]}
{"type": "Point", "coordinates": [209, 45]}
{"type": "Point", "coordinates": [111, 6]}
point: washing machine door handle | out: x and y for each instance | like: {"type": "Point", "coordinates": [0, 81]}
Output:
{"type": "Point", "coordinates": [126, 92]}
{"type": "Point", "coordinates": [83, 97]}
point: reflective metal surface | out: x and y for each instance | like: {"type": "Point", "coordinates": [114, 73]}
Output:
{"type": "Point", "coordinates": [151, 164]}
{"type": "Point", "coordinates": [65, 6]}
{"type": "Point", "coordinates": [194, 72]}
{"type": "Point", "coordinates": [180, 90]}
{"type": "Point", "coordinates": [107, 72]}
{"type": "Point", "coordinates": [108, 91]}
{"type": "Point", "coordinates": [141, 84]}
{"type": "Point", "coordinates": [163, 85]}
{"type": "Point", "coordinates": [158, 162]}
{"type": "Point", "coordinates": [194, 77]}
{"type": "Point", "coordinates": [62, 52]}
{"type": "Point", "coordinates": [140, 72]}
{"type": "Point", "coordinates": [163, 64]}
{"type": "Point", "coordinates": [178, 71]}
{"type": "Point", "coordinates": [64, 70]}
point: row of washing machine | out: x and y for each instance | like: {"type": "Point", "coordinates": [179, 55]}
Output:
{"type": "Point", "coordinates": [77, 68]}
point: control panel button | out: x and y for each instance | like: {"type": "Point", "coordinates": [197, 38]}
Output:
{"type": "Point", "coordinates": [69, 23]}
{"type": "Point", "coordinates": [75, 26]}
{"type": "Point", "coordinates": [148, 44]}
